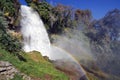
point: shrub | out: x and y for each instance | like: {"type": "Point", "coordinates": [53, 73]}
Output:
{"type": "Point", "coordinates": [8, 42]}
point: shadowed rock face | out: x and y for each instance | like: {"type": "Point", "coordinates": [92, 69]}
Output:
{"type": "Point", "coordinates": [73, 70]}
{"type": "Point", "coordinates": [105, 39]}
{"type": "Point", "coordinates": [110, 26]}
{"type": "Point", "coordinates": [83, 78]}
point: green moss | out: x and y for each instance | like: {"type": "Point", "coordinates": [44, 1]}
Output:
{"type": "Point", "coordinates": [41, 69]}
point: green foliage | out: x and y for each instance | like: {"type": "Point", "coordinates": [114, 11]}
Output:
{"type": "Point", "coordinates": [33, 68]}
{"type": "Point", "coordinates": [8, 42]}
{"type": "Point", "coordinates": [62, 17]}
{"type": "Point", "coordinates": [35, 1]}
{"type": "Point", "coordinates": [28, 1]}
{"type": "Point", "coordinates": [59, 17]}
{"type": "Point", "coordinates": [17, 77]}
{"type": "Point", "coordinates": [7, 6]}
{"type": "Point", "coordinates": [55, 18]}
{"type": "Point", "coordinates": [83, 16]}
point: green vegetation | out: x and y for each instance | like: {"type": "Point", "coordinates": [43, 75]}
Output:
{"type": "Point", "coordinates": [8, 42]}
{"type": "Point", "coordinates": [9, 7]}
{"type": "Point", "coordinates": [17, 77]}
{"type": "Point", "coordinates": [59, 17]}
{"type": "Point", "coordinates": [40, 69]}
{"type": "Point", "coordinates": [10, 50]}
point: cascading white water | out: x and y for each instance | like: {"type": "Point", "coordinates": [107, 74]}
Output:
{"type": "Point", "coordinates": [36, 38]}
{"type": "Point", "coordinates": [34, 33]}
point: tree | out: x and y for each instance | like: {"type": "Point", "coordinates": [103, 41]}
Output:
{"type": "Point", "coordinates": [62, 18]}
{"type": "Point", "coordinates": [83, 16]}
{"type": "Point", "coordinates": [9, 6]}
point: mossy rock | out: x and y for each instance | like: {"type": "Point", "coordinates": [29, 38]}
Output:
{"type": "Point", "coordinates": [36, 56]}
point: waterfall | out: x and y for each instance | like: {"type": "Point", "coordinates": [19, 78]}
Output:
{"type": "Point", "coordinates": [34, 33]}
{"type": "Point", "coordinates": [35, 37]}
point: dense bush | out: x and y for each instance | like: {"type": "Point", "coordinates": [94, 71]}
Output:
{"type": "Point", "coordinates": [9, 7]}
{"type": "Point", "coordinates": [7, 42]}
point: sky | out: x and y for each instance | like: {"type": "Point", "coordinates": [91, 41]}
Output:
{"type": "Point", "coordinates": [98, 7]}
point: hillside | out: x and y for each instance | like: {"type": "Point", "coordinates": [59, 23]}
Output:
{"type": "Point", "coordinates": [34, 66]}
{"type": "Point", "coordinates": [93, 44]}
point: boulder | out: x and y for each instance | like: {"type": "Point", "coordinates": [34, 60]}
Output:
{"type": "Point", "coordinates": [7, 71]}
